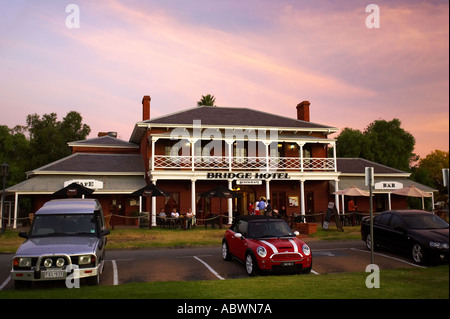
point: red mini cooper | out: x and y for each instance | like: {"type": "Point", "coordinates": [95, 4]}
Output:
{"type": "Point", "coordinates": [266, 243]}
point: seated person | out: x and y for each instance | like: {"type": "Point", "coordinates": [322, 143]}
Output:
{"type": "Point", "coordinates": [162, 214]}
{"type": "Point", "coordinates": [189, 218]}
{"type": "Point", "coordinates": [174, 213]}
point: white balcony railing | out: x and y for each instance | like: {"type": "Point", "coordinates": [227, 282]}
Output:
{"type": "Point", "coordinates": [241, 163]}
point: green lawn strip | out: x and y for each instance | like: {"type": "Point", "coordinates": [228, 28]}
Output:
{"type": "Point", "coordinates": [162, 237]}
{"type": "Point", "coordinates": [415, 283]}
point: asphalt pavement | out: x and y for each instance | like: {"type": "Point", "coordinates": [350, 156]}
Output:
{"type": "Point", "coordinates": [206, 263]}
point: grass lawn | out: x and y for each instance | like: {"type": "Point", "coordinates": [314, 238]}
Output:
{"type": "Point", "coordinates": [416, 283]}
{"type": "Point", "coordinates": [131, 238]}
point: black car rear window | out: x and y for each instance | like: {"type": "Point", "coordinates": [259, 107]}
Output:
{"type": "Point", "coordinates": [425, 221]}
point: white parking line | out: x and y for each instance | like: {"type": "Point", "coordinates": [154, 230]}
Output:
{"type": "Point", "coordinates": [209, 268]}
{"type": "Point", "coordinates": [115, 273]}
{"type": "Point", "coordinates": [398, 259]}
{"type": "Point", "coordinates": [5, 283]}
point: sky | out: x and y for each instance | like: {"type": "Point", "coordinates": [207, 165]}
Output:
{"type": "Point", "coordinates": [262, 54]}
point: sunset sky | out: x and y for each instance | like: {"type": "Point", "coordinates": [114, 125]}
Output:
{"type": "Point", "coordinates": [262, 54]}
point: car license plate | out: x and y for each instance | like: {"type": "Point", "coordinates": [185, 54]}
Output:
{"type": "Point", "coordinates": [287, 264]}
{"type": "Point", "coordinates": [53, 274]}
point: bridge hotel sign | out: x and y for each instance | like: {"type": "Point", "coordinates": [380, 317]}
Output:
{"type": "Point", "coordinates": [247, 178]}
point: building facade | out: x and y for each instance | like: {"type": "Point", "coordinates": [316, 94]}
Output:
{"type": "Point", "coordinates": [187, 153]}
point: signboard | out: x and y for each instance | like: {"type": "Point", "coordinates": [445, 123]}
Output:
{"type": "Point", "coordinates": [89, 183]}
{"type": "Point", "coordinates": [332, 211]}
{"type": "Point", "coordinates": [247, 175]}
{"type": "Point", "coordinates": [387, 185]}
{"type": "Point", "coordinates": [249, 182]}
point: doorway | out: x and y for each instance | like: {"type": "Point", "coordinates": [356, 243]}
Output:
{"type": "Point", "coordinates": [242, 203]}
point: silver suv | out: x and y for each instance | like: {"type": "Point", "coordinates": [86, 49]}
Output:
{"type": "Point", "coordinates": [66, 240]}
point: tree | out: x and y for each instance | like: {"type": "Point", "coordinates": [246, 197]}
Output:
{"type": "Point", "coordinates": [49, 137]}
{"type": "Point", "coordinates": [14, 150]}
{"type": "Point", "coordinates": [207, 100]}
{"type": "Point", "coordinates": [429, 172]}
{"type": "Point", "coordinates": [350, 143]}
{"type": "Point", "coordinates": [382, 142]}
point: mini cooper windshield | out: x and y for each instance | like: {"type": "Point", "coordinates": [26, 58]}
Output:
{"type": "Point", "coordinates": [269, 228]}
{"type": "Point", "coordinates": [63, 225]}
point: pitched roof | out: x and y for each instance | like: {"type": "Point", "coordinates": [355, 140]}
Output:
{"type": "Point", "coordinates": [104, 141]}
{"type": "Point", "coordinates": [233, 116]}
{"type": "Point", "coordinates": [357, 166]}
{"type": "Point", "coordinates": [98, 163]}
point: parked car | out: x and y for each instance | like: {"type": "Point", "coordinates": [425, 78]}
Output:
{"type": "Point", "coordinates": [422, 235]}
{"type": "Point", "coordinates": [65, 235]}
{"type": "Point", "coordinates": [266, 243]}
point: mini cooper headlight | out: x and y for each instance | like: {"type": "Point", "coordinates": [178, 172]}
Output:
{"type": "Point", "coordinates": [261, 251]}
{"type": "Point", "coordinates": [306, 250]}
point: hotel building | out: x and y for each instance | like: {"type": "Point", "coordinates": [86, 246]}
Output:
{"type": "Point", "coordinates": [291, 161]}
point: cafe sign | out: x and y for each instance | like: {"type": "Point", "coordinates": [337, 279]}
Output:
{"type": "Point", "coordinates": [89, 183]}
{"type": "Point", "coordinates": [387, 185]}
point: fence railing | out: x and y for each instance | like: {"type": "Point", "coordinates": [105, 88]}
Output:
{"type": "Point", "coordinates": [244, 163]}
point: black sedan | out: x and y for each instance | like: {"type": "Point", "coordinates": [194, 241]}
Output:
{"type": "Point", "coordinates": [421, 234]}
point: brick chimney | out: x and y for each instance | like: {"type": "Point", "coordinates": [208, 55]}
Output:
{"type": "Point", "coordinates": [303, 111]}
{"type": "Point", "coordinates": [146, 107]}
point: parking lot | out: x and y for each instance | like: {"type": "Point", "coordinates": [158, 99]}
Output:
{"type": "Point", "coordinates": [206, 263]}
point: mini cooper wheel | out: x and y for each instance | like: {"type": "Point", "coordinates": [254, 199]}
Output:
{"type": "Point", "coordinates": [251, 265]}
{"type": "Point", "coordinates": [225, 251]}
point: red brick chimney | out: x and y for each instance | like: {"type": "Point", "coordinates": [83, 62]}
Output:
{"type": "Point", "coordinates": [146, 107]}
{"type": "Point", "coordinates": [303, 111]}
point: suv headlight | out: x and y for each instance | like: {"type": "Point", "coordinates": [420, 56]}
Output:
{"type": "Point", "coordinates": [261, 251]}
{"type": "Point", "coordinates": [306, 250]}
{"type": "Point", "coordinates": [22, 262]}
{"type": "Point", "coordinates": [86, 259]}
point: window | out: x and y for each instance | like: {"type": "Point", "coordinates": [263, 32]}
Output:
{"type": "Point", "coordinates": [396, 222]}
{"type": "Point", "coordinates": [384, 219]}
{"type": "Point", "coordinates": [241, 227]}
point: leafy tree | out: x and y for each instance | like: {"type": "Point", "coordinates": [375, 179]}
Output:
{"type": "Point", "coordinates": [382, 142]}
{"type": "Point", "coordinates": [49, 137]}
{"type": "Point", "coordinates": [350, 143]}
{"type": "Point", "coordinates": [429, 172]}
{"type": "Point", "coordinates": [47, 142]}
{"type": "Point", "coordinates": [207, 100]}
{"type": "Point", "coordinates": [14, 150]}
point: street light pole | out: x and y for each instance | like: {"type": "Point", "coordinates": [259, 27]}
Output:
{"type": "Point", "coordinates": [4, 170]}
